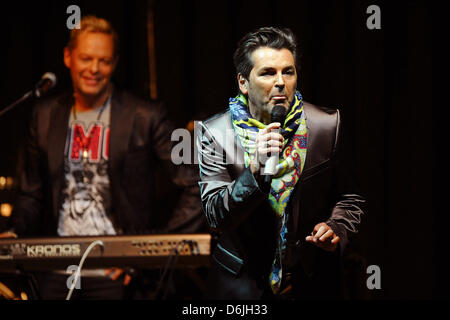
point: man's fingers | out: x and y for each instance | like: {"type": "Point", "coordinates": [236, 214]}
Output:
{"type": "Point", "coordinates": [117, 274]}
{"type": "Point", "coordinates": [327, 235]}
{"type": "Point", "coordinates": [267, 136]}
{"type": "Point", "coordinates": [320, 232]}
{"type": "Point", "coordinates": [335, 240]}
{"type": "Point", "coordinates": [127, 279]}
{"type": "Point", "coordinates": [270, 146]}
{"type": "Point", "coordinates": [114, 273]}
{"type": "Point", "coordinates": [270, 143]}
{"type": "Point", "coordinates": [271, 126]}
{"type": "Point", "coordinates": [8, 234]}
{"type": "Point", "coordinates": [272, 136]}
{"type": "Point", "coordinates": [266, 148]}
{"type": "Point", "coordinates": [266, 130]}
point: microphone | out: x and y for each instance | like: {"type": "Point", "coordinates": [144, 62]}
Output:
{"type": "Point", "coordinates": [278, 114]}
{"type": "Point", "coordinates": [47, 82]}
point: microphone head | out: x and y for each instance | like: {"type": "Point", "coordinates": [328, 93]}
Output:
{"type": "Point", "coordinates": [50, 76]}
{"type": "Point", "coordinates": [278, 114]}
{"type": "Point", "coordinates": [48, 81]}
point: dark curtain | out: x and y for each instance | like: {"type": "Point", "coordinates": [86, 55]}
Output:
{"type": "Point", "coordinates": [380, 80]}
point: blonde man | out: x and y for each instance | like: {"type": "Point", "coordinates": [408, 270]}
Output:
{"type": "Point", "coordinates": [95, 139]}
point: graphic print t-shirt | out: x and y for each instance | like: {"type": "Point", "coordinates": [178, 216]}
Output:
{"type": "Point", "coordinates": [86, 204]}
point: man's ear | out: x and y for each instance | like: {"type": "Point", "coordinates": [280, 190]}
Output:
{"type": "Point", "coordinates": [67, 54]}
{"type": "Point", "coordinates": [243, 84]}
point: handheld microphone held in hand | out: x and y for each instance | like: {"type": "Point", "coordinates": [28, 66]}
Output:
{"type": "Point", "coordinates": [278, 114]}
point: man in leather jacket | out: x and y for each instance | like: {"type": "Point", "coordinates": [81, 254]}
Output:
{"type": "Point", "coordinates": [282, 238]}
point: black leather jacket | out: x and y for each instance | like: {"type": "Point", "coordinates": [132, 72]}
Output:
{"type": "Point", "coordinates": [240, 213]}
{"type": "Point", "coordinates": [140, 144]}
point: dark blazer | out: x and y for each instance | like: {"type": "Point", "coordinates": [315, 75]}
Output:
{"type": "Point", "coordinates": [240, 214]}
{"type": "Point", "coordinates": [139, 140]}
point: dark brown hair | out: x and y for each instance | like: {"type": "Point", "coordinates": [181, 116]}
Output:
{"type": "Point", "coordinates": [263, 37]}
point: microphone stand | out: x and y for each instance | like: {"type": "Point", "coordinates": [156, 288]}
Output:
{"type": "Point", "coordinates": [25, 97]}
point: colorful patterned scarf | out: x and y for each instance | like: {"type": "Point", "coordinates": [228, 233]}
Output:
{"type": "Point", "coordinates": [292, 160]}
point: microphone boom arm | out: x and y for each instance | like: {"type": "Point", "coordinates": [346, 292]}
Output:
{"type": "Point", "coordinates": [48, 81]}
{"type": "Point", "coordinates": [25, 97]}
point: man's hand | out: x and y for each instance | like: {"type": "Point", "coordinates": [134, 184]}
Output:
{"type": "Point", "coordinates": [323, 237]}
{"type": "Point", "coordinates": [115, 273]}
{"type": "Point", "coordinates": [7, 235]}
{"type": "Point", "coordinates": [267, 142]}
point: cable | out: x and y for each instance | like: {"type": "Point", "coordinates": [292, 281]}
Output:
{"type": "Point", "coordinates": [170, 264]}
{"type": "Point", "coordinates": [78, 272]}
{"type": "Point", "coordinates": [170, 276]}
{"type": "Point", "coordinates": [6, 292]}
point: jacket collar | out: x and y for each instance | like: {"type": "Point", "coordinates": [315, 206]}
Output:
{"type": "Point", "coordinates": [121, 126]}
{"type": "Point", "coordinates": [57, 132]}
